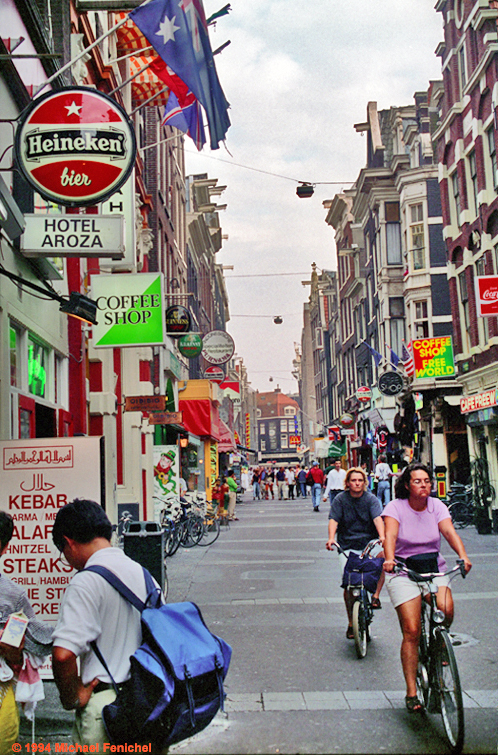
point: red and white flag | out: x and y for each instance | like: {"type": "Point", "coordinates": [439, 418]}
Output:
{"type": "Point", "coordinates": [408, 359]}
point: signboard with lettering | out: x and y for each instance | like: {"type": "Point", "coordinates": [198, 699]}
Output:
{"type": "Point", "coordinates": [479, 401]}
{"type": "Point", "coordinates": [130, 310]}
{"type": "Point", "coordinates": [145, 403]}
{"type": "Point", "coordinates": [390, 383]}
{"type": "Point", "coordinates": [433, 357]}
{"type": "Point", "coordinates": [218, 347]}
{"type": "Point", "coordinates": [75, 146]}
{"type": "Point", "coordinates": [39, 476]}
{"type": "Point", "coordinates": [487, 295]}
{"type": "Point", "coordinates": [294, 440]}
{"type": "Point", "coordinates": [73, 236]}
{"type": "Point", "coordinates": [165, 418]}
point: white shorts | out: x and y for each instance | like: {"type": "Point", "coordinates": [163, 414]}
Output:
{"type": "Point", "coordinates": [401, 589]}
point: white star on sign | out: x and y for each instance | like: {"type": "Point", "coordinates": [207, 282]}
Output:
{"type": "Point", "coordinates": [167, 29]}
{"type": "Point", "coordinates": [73, 108]}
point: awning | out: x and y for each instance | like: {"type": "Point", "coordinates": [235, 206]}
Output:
{"type": "Point", "coordinates": [146, 84]}
{"type": "Point", "coordinates": [226, 443]}
{"type": "Point", "coordinates": [200, 417]}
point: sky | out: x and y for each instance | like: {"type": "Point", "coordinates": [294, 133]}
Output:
{"type": "Point", "coordinates": [298, 76]}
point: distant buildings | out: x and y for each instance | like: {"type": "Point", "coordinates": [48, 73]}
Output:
{"type": "Point", "coordinates": [278, 427]}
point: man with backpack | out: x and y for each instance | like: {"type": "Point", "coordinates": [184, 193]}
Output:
{"type": "Point", "coordinates": [315, 479]}
{"type": "Point", "coordinates": [92, 610]}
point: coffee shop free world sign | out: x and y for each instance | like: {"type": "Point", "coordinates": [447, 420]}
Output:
{"type": "Point", "coordinates": [75, 146]}
{"type": "Point", "coordinates": [130, 310]}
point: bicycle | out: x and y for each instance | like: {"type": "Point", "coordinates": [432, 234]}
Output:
{"type": "Point", "coordinates": [362, 573]}
{"type": "Point", "coordinates": [172, 524]}
{"type": "Point", "coordinates": [211, 526]}
{"type": "Point", "coordinates": [438, 680]}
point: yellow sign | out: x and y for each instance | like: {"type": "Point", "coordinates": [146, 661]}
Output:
{"type": "Point", "coordinates": [433, 357]}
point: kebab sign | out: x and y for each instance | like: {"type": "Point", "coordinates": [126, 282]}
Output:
{"type": "Point", "coordinates": [75, 146]}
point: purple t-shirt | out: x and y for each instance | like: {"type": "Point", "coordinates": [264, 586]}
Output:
{"type": "Point", "coordinates": [418, 530]}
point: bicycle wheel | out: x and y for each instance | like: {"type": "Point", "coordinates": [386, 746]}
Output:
{"type": "Point", "coordinates": [360, 629]}
{"type": "Point", "coordinates": [176, 538]}
{"type": "Point", "coordinates": [450, 692]}
{"type": "Point", "coordinates": [192, 532]}
{"type": "Point", "coordinates": [423, 662]}
{"type": "Point", "coordinates": [211, 531]}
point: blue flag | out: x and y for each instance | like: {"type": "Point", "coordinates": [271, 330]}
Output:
{"type": "Point", "coordinates": [177, 30]}
{"type": "Point", "coordinates": [395, 360]}
{"type": "Point", "coordinates": [187, 119]}
{"type": "Point", "coordinates": [377, 357]}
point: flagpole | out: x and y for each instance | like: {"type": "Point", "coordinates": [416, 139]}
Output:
{"type": "Point", "coordinates": [137, 73]}
{"type": "Point", "coordinates": [82, 54]}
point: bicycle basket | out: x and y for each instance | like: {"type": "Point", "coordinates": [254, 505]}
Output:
{"type": "Point", "coordinates": [362, 571]}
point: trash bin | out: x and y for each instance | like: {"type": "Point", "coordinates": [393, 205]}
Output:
{"type": "Point", "coordinates": [144, 542]}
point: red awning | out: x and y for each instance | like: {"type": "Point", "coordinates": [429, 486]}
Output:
{"type": "Point", "coordinates": [226, 443]}
{"type": "Point", "coordinates": [200, 417]}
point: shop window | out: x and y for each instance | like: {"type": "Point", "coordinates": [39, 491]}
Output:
{"type": "Point", "coordinates": [15, 356]}
{"type": "Point", "coordinates": [37, 368]}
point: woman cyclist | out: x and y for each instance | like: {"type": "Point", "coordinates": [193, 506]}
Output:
{"type": "Point", "coordinates": [414, 524]}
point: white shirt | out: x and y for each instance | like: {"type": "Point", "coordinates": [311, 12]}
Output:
{"type": "Point", "coordinates": [382, 471]}
{"type": "Point", "coordinates": [91, 609]}
{"type": "Point", "coordinates": [335, 480]}
{"type": "Point", "coordinates": [290, 476]}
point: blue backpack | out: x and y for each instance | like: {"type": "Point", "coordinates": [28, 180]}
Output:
{"type": "Point", "coordinates": [176, 683]}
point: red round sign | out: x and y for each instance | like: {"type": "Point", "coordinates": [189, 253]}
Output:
{"type": "Point", "coordinates": [216, 374]}
{"type": "Point", "coordinates": [75, 146]}
{"type": "Point", "coordinates": [363, 393]}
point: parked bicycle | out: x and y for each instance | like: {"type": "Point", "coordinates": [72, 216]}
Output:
{"type": "Point", "coordinates": [461, 506]}
{"type": "Point", "coordinates": [438, 680]}
{"type": "Point", "coordinates": [361, 575]}
{"type": "Point", "coordinates": [211, 526]}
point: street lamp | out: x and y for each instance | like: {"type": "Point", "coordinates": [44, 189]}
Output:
{"type": "Point", "coordinates": [78, 305]}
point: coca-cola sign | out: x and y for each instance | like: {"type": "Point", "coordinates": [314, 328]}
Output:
{"type": "Point", "coordinates": [75, 146]}
{"type": "Point", "coordinates": [487, 295]}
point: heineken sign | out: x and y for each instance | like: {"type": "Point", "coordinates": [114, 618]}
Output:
{"type": "Point", "coordinates": [130, 310]}
{"type": "Point", "coordinates": [75, 146]}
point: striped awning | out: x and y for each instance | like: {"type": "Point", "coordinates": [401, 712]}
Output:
{"type": "Point", "coordinates": [130, 38]}
{"type": "Point", "coordinates": [146, 84]}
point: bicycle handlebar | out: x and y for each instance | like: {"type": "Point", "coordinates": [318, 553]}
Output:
{"type": "Point", "coordinates": [365, 552]}
{"type": "Point", "coordinates": [401, 568]}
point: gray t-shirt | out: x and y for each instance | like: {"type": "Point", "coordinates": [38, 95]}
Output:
{"type": "Point", "coordinates": [354, 517]}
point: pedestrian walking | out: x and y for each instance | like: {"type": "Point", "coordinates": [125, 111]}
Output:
{"type": "Point", "coordinates": [232, 495]}
{"type": "Point", "coordinates": [280, 483]}
{"type": "Point", "coordinates": [290, 478]}
{"type": "Point", "coordinates": [92, 610]}
{"type": "Point", "coordinates": [301, 481]}
{"type": "Point", "coordinates": [256, 490]}
{"type": "Point", "coordinates": [383, 474]}
{"type": "Point", "coordinates": [335, 481]}
{"type": "Point", "coordinates": [317, 479]}
{"type": "Point", "coordinates": [269, 482]}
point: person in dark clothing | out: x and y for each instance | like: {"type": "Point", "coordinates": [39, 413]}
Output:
{"type": "Point", "coordinates": [355, 519]}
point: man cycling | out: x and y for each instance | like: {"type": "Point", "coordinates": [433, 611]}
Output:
{"type": "Point", "coordinates": [355, 519]}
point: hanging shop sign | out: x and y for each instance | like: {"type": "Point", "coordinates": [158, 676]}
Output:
{"type": "Point", "coordinates": [130, 310]}
{"type": "Point", "coordinates": [73, 236]}
{"type": "Point", "coordinates": [121, 204]}
{"type": "Point", "coordinates": [334, 433]}
{"type": "Point", "coordinates": [216, 374]}
{"type": "Point", "coordinates": [218, 347]}
{"type": "Point", "coordinates": [75, 146]}
{"type": "Point", "coordinates": [390, 383]}
{"type": "Point", "coordinates": [165, 418]}
{"type": "Point", "coordinates": [178, 321]}
{"type": "Point", "coordinates": [190, 345]}
{"type": "Point", "coordinates": [487, 295]}
{"type": "Point", "coordinates": [433, 357]}
{"type": "Point", "coordinates": [364, 393]}
{"type": "Point", "coordinates": [346, 420]}
{"type": "Point", "coordinates": [479, 401]}
{"type": "Point", "coordinates": [294, 440]}
{"type": "Point", "coordinates": [145, 403]}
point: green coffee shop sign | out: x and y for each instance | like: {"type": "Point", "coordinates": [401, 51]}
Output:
{"type": "Point", "coordinates": [130, 310]}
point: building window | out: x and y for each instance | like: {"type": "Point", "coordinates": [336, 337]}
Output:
{"type": "Point", "coordinates": [417, 246]}
{"type": "Point", "coordinates": [462, 68]}
{"type": "Point", "coordinates": [15, 357]}
{"type": "Point", "coordinates": [262, 444]}
{"type": "Point", "coordinates": [283, 425]}
{"type": "Point", "coordinates": [473, 178]}
{"type": "Point", "coordinates": [490, 133]}
{"type": "Point", "coordinates": [421, 320]}
{"type": "Point", "coordinates": [464, 298]}
{"type": "Point", "coordinates": [483, 322]}
{"type": "Point", "coordinates": [258, 412]}
{"type": "Point", "coordinates": [284, 443]}
{"type": "Point", "coordinates": [456, 195]}
{"type": "Point", "coordinates": [393, 233]}
{"type": "Point", "coordinates": [289, 411]}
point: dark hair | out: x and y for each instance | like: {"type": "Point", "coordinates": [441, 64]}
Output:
{"type": "Point", "coordinates": [401, 488]}
{"type": "Point", "coordinates": [6, 528]}
{"type": "Point", "coordinates": [81, 520]}
{"type": "Point", "coordinates": [382, 457]}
